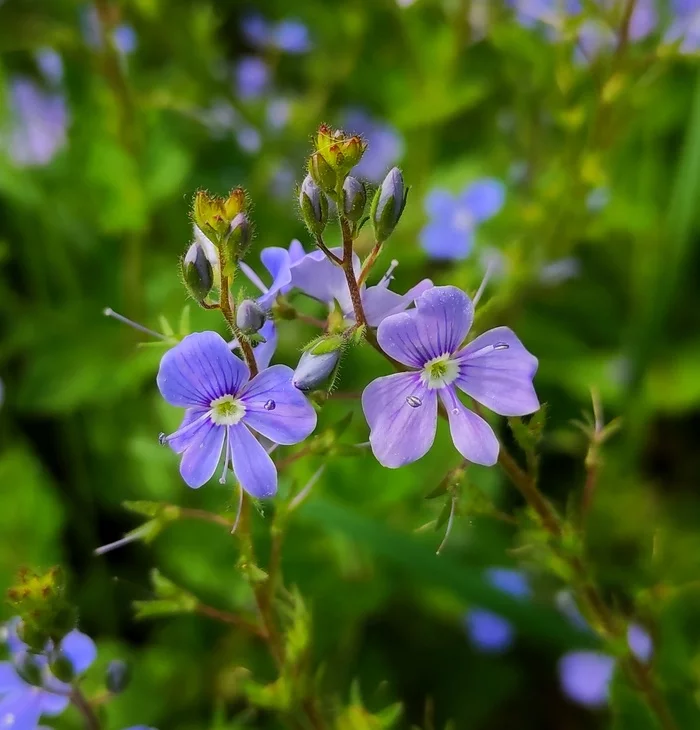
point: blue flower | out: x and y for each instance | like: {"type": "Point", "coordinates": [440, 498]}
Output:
{"type": "Point", "coordinates": [487, 631]}
{"type": "Point", "coordinates": [449, 234]}
{"type": "Point", "coordinates": [385, 145]}
{"type": "Point", "coordinates": [50, 64]}
{"type": "Point", "coordinates": [289, 36]}
{"type": "Point", "coordinates": [23, 703]}
{"type": "Point", "coordinates": [685, 27]}
{"type": "Point", "coordinates": [39, 123]}
{"type": "Point", "coordinates": [252, 77]}
{"type": "Point", "coordinates": [223, 409]}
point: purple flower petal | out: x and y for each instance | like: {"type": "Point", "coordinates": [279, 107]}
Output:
{"type": "Point", "coordinates": [443, 241]}
{"type": "Point", "coordinates": [264, 351]}
{"type": "Point", "coordinates": [80, 649]}
{"type": "Point", "coordinates": [585, 677]}
{"type": "Point", "coordinates": [296, 251]}
{"type": "Point", "coordinates": [55, 704]}
{"type": "Point", "coordinates": [379, 302]}
{"type": "Point", "coordinates": [484, 198]}
{"type": "Point", "coordinates": [496, 370]}
{"type": "Point", "coordinates": [201, 457]}
{"type": "Point", "coordinates": [640, 642]}
{"type": "Point", "coordinates": [488, 632]}
{"type": "Point", "coordinates": [252, 77]}
{"type": "Point", "coordinates": [512, 582]}
{"type": "Point", "coordinates": [291, 36]}
{"type": "Point", "coordinates": [23, 707]}
{"type": "Point", "coordinates": [321, 279]}
{"type": "Point", "coordinates": [471, 435]}
{"type": "Point", "coordinates": [440, 203]}
{"type": "Point", "coordinates": [437, 326]}
{"type": "Point", "coordinates": [278, 262]}
{"type": "Point", "coordinates": [10, 681]}
{"type": "Point", "coordinates": [252, 465]}
{"type": "Point", "coordinates": [276, 409]}
{"type": "Point", "coordinates": [402, 416]}
{"type": "Point", "coordinates": [200, 369]}
{"type": "Point", "coordinates": [184, 436]}
{"type": "Point", "coordinates": [9, 635]}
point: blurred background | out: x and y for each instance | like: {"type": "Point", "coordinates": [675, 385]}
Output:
{"type": "Point", "coordinates": [581, 120]}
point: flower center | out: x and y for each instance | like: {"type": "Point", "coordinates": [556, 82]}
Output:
{"type": "Point", "coordinates": [226, 411]}
{"type": "Point", "coordinates": [439, 372]}
{"type": "Point", "coordinates": [463, 220]}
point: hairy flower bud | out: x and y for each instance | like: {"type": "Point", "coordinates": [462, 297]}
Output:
{"type": "Point", "coordinates": [197, 272]}
{"type": "Point", "coordinates": [388, 204]}
{"type": "Point", "coordinates": [312, 370]}
{"type": "Point", "coordinates": [249, 316]}
{"type": "Point", "coordinates": [117, 676]}
{"type": "Point", "coordinates": [62, 668]}
{"type": "Point", "coordinates": [28, 668]}
{"type": "Point", "coordinates": [322, 173]}
{"type": "Point", "coordinates": [314, 206]}
{"type": "Point", "coordinates": [354, 199]}
{"type": "Point", "coordinates": [239, 236]}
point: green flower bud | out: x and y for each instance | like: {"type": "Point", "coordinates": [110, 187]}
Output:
{"type": "Point", "coordinates": [354, 199]}
{"type": "Point", "coordinates": [239, 236]}
{"type": "Point", "coordinates": [62, 668]}
{"type": "Point", "coordinates": [197, 272]}
{"type": "Point", "coordinates": [314, 206]}
{"type": "Point", "coordinates": [249, 316]}
{"type": "Point", "coordinates": [118, 676]}
{"type": "Point", "coordinates": [312, 370]}
{"type": "Point", "coordinates": [29, 669]}
{"type": "Point", "coordinates": [388, 204]}
{"type": "Point", "coordinates": [322, 173]}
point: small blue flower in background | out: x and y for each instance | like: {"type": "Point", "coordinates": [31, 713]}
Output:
{"type": "Point", "coordinates": [685, 27]}
{"type": "Point", "coordinates": [288, 36]}
{"type": "Point", "coordinates": [252, 77]}
{"type": "Point", "coordinates": [123, 36]}
{"type": "Point", "coordinates": [21, 703]}
{"type": "Point", "coordinates": [598, 199]}
{"type": "Point", "coordinates": [385, 149]}
{"type": "Point", "coordinates": [125, 39]}
{"type": "Point", "coordinates": [453, 219]}
{"type": "Point", "coordinates": [39, 124]}
{"type": "Point", "coordinates": [278, 112]}
{"type": "Point", "coordinates": [487, 631]}
{"type": "Point", "coordinates": [50, 64]}
{"type": "Point", "coordinates": [223, 409]}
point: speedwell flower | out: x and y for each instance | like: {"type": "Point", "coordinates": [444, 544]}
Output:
{"type": "Point", "coordinates": [494, 369]}
{"type": "Point", "coordinates": [28, 689]}
{"type": "Point", "coordinates": [321, 279]}
{"type": "Point", "coordinates": [202, 375]}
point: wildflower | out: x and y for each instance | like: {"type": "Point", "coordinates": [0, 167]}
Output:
{"type": "Point", "coordinates": [288, 36]}
{"type": "Point", "coordinates": [494, 369]}
{"type": "Point", "coordinates": [39, 124]}
{"type": "Point", "coordinates": [202, 375]}
{"type": "Point", "coordinates": [50, 64]}
{"type": "Point", "coordinates": [388, 204]}
{"type": "Point", "coordinates": [685, 28]}
{"type": "Point", "coordinates": [312, 370]}
{"type": "Point", "coordinates": [449, 234]}
{"type": "Point", "coordinates": [385, 145]}
{"type": "Point", "coordinates": [28, 689]}
{"type": "Point", "coordinates": [489, 632]}
{"type": "Point", "coordinates": [321, 279]}
{"type": "Point", "coordinates": [252, 77]}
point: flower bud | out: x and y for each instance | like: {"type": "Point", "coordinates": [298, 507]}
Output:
{"type": "Point", "coordinates": [249, 316]}
{"type": "Point", "coordinates": [312, 370]}
{"type": "Point", "coordinates": [239, 236]}
{"type": "Point", "coordinates": [62, 668]}
{"type": "Point", "coordinates": [322, 173]}
{"type": "Point", "coordinates": [388, 204]}
{"type": "Point", "coordinates": [354, 199]}
{"type": "Point", "coordinates": [314, 206]}
{"type": "Point", "coordinates": [29, 669]}
{"type": "Point", "coordinates": [197, 272]}
{"type": "Point", "coordinates": [117, 676]}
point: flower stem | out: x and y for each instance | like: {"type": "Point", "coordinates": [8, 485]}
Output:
{"type": "Point", "coordinates": [228, 310]}
{"type": "Point", "coordinates": [321, 244]}
{"type": "Point", "coordinates": [231, 618]}
{"type": "Point", "coordinates": [355, 295]}
{"type": "Point", "coordinates": [369, 263]}
{"type": "Point", "coordinates": [92, 722]}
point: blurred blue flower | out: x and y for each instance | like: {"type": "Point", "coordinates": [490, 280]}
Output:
{"type": "Point", "coordinates": [123, 36]}
{"type": "Point", "coordinates": [249, 139]}
{"type": "Point", "coordinates": [39, 124]}
{"type": "Point", "coordinates": [282, 181]}
{"type": "Point", "coordinates": [685, 27]}
{"type": "Point", "coordinates": [449, 234]}
{"type": "Point", "coordinates": [50, 64]}
{"type": "Point", "coordinates": [598, 199]}
{"type": "Point", "coordinates": [252, 77]}
{"type": "Point", "coordinates": [23, 703]}
{"type": "Point", "coordinates": [125, 39]}
{"type": "Point", "coordinates": [385, 144]}
{"type": "Point", "coordinates": [278, 112]}
{"type": "Point", "coordinates": [557, 272]}
{"type": "Point", "coordinates": [488, 632]}
{"type": "Point", "coordinates": [289, 36]}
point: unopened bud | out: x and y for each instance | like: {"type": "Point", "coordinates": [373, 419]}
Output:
{"type": "Point", "coordinates": [29, 669]}
{"type": "Point", "coordinates": [249, 316]}
{"type": "Point", "coordinates": [354, 199]}
{"type": "Point", "coordinates": [388, 204]}
{"type": "Point", "coordinates": [62, 668]}
{"type": "Point", "coordinates": [197, 272]}
{"type": "Point", "coordinates": [312, 370]}
{"type": "Point", "coordinates": [314, 206]}
{"type": "Point", "coordinates": [117, 676]}
{"type": "Point", "coordinates": [239, 235]}
{"type": "Point", "coordinates": [322, 173]}
{"type": "Point", "coordinates": [234, 204]}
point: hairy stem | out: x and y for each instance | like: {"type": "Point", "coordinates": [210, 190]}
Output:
{"type": "Point", "coordinates": [227, 309]}
{"type": "Point", "coordinates": [231, 618]}
{"type": "Point", "coordinates": [92, 722]}
{"type": "Point", "coordinates": [322, 245]}
{"type": "Point", "coordinates": [369, 263]}
{"type": "Point", "coordinates": [355, 295]}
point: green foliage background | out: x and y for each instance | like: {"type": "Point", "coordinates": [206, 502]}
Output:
{"type": "Point", "coordinates": [104, 225]}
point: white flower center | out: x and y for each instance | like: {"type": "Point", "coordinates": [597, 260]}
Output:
{"type": "Point", "coordinates": [439, 372]}
{"type": "Point", "coordinates": [226, 411]}
{"type": "Point", "coordinates": [463, 220]}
